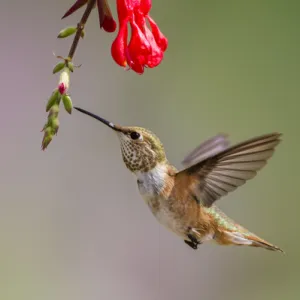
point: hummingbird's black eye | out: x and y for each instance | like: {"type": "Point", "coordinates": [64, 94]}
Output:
{"type": "Point", "coordinates": [135, 135]}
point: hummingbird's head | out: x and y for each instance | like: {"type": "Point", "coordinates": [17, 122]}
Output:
{"type": "Point", "coordinates": [141, 149]}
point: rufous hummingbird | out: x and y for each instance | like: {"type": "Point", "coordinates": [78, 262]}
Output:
{"type": "Point", "coordinates": [183, 201]}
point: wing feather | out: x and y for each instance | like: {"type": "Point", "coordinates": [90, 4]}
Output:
{"type": "Point", "coordinates": [225, 171]}
{"type": "Point", "coordinates": [206, 149]}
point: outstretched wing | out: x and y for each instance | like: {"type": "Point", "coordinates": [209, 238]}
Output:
{"type": "Point", "coordinates": [222, 173]}
{"type": "Point", "coordinates": [206, 149]}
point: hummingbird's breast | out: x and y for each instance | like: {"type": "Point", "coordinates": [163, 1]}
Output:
{"type": "Point", "coordinates": [157, 188]}
{"type": "Point", "coordinates": [151, 185]}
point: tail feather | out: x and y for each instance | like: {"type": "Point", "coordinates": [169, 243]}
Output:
{"type": "Point", "coordinates": [258, 242]}
{"type": "Point", "coordinates": [245, 238]}
{"type": "Point", "coordinates": [229, 232]}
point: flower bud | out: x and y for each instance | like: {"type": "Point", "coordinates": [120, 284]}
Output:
{"type": "Point", "coordinates": [71, 66]}
{"type": "Point", "coordinates": [52, 100]}
{"type": "Point", "coordinates": [67, 103]}
{"type": "Point", "coordinates": [64, 80]}
{"type": "Point", "coordinates": [54, 110]}
{"type": "Point", "coordinates": [58, 67]}
{"type": "Point", "coordinates": [54, 124]}
{"type": "Point", "coordinates": [46, 141]}
{"type": "Point", "coordinates": [67, 32]}
{"type": "Point", "coordinates": [48, 131]}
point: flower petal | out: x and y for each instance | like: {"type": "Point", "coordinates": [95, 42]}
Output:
{"type": "Point", "coordinates": [124, 9]}
{"type": "Point", "coordinates": [145, 6]}
{"type": "Point", "coordinates": [139, 48]}
{"type": "Point", "coordinates": [156, 56]}
{"type": "Point", "coordinates": [160, 39]}
{"type": "Point", "coordinates": [119, 45]}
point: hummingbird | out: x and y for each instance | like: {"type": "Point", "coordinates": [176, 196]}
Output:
{"type": "Point", "coordinates": [184, 201]}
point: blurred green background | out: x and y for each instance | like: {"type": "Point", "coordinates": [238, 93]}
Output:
{"type": "Point", "coordinates": [73, 225]}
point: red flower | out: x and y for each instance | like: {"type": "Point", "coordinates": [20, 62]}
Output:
{"type": "Point", "coordinates": [146, 46]}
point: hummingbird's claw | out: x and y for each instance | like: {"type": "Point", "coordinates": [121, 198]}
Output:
{"type": "Point", "coordinates": [193, 241]}
{"type": "Point", "coordinates": [191, 244]}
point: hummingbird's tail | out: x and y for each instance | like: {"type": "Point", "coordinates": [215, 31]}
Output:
{"type": "Point", "coordinates": [244, 237]}
{"type": "Point", "coordinates": [258, 242]}
{"type": "Point", "coordinates": [229, 232]}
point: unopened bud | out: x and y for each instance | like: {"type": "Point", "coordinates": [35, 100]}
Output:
{"type": "Point", "coordinates": [67, 103]}
{"type": "Point", "coordinates": [67, 32]}
{"type": "Point", "coordinates": [48, 131]}
{"type": "Point", "coordinates": [46, 141]}
{"type": "Point", "coordinates": [54, 110]}
{"type": "Point", "coordinates": [64, 80]}
{"type": "Point", "coordinates": [58, 67]}
{"type": "Point", "coordinates": [54, 124]}
{"type": "Point", "coordinates": [71, 66]}
{"type": "Point", "coordinates": [82, 34]}
{"type": "Point", "coordinates": [52, 100]}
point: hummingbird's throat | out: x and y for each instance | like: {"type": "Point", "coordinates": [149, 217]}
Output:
{"type": "Point", "coordinates": [142, 153]}
{"type": "Point", "coordinates": [137, 158]}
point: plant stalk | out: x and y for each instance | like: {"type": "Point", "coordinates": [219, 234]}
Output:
{"type": "Point", "coordinates": [80, 27]}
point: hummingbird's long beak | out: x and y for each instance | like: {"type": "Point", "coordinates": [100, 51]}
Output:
{"type": "Point", "coordinates": [107, 123]}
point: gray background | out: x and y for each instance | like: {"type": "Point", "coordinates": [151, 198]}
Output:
{"type": "Point", "coordinates": [73, 225]}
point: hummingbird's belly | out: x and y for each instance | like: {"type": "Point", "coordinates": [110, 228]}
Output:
{"type": "Point", "coordinates": [168, 212]}
{"type": "Point", "coordinates": [165, 216]}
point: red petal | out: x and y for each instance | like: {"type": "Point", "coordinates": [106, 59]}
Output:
{"type": "Point", "coordinates": [160, 39]}
{"type": "Point", "coordinates": [140, 20]}
{"type": "Point", "coordinates": [145, 6]}
{"type": "Point", "coordinates": [135, 4]}
{"type": "Point", "coordinates": [119, 45]}
{"type": "Point", "coordinates": [134, 65]}
{"type": "Point", "coordinates": [156, 56]}
{"type": "Point", "coordinates": [138, 48]}
{"type": "Point", "coordinates": [137, 68]}
{"type": "Point", "coordinates": [124, 9]}
{"type": "Point", "coordinates": [78, 4]}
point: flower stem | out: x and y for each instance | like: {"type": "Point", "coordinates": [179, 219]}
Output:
{"type": "Point", "coordinates": [80, 27]}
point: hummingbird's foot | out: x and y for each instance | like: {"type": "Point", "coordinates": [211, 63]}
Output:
{"type": "Point", "coordinates": [191, 244]}
{"type": "Point", "coordinates": [193, 241]}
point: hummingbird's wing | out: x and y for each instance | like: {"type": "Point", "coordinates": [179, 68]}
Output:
{"type": "Point", "coordinates": [222, 173]}
{"type": "Point", "coordinates": [206, 149]}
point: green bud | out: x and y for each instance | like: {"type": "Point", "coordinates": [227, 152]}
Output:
{"type": "Point", "coordinates": [71, 66]}
{"type": "Point", "coordinates": [52, 100]}
{"type": "Point", "coordinates": [49, 131]}
{"type": "Point", "coordinates": [46, 141]}
{"type": "Point", "coordinates": [67, 103]}
{"type": "Point", "coordinates": [54, 123]}
{"type": "Point", "coordinates": [58, 67]}
{"type": "Point", "coordinates": [82, 34]}
{"type": "Point", "coordinates": [45, 126]}
{"type": "Point", "coordinates": [54, 110]}
{"type": "Point", "coordinates": [67, 32]}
